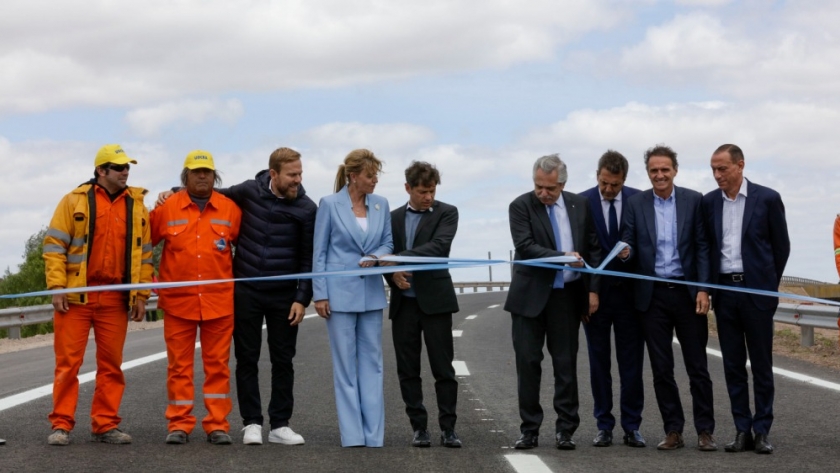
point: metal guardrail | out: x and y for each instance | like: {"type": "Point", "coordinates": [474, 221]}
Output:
{"type": "Point", "coordinates": [16, 317]}
{"type": "Point", "coordinates": [805, 316]}
{"type": "Point", "coordinates": [808, 317]}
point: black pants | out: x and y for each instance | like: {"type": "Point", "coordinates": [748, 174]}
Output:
{"type": "Point", "coordinates": [745, 329]}
{"type": "Point", "coordinates": [407, 328]}
{"type": "Point", "coordinates": [672, 310]}
{"type": "Point", "coordinates": [251, 307]}
{"type": "Point", "coordinates": [557, 326]}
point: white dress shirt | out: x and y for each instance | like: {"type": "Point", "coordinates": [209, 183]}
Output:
{"type": "Point", "coordinates": [732, 223]}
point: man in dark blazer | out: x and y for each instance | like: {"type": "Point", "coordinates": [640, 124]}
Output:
{"type": "Point", "coordinates": [422, 303]}
{"type": "Point", "coordinates": [608, 202]}
{"type": "Point", "coordinates": [749, 249]}
{"type": "Point", "coordinates": [664, 228]}
{"type": "Point", "coordinates": [547, 305]}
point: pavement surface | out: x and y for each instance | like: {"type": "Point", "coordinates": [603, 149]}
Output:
{"type": "Point", "coordinates": [805, 431]}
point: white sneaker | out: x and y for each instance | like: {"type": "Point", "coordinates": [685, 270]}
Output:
{"type": "Point", "coordinates": [286, 436]}
{"type": "Point", "coordinates": [252, 434]}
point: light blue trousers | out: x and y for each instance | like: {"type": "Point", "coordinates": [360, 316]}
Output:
{"type": "Point", "coordinates": [356, 347]}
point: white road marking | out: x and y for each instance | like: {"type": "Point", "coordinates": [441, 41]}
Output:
{"type": "Point", "coordinates": [460, 368]}
{"type": "Point", "coordinates": [493, 306]}
{"type": "Point", "coordinates": [470, 317]}
{"type": "Point", "coordinates": [457, 333]}
{"type": "Point", "coordinates": [786, 373]}
{"type": "Point", "coordinates": [46, 390]}
{"type": "Point", "coordinates": [527, 463]}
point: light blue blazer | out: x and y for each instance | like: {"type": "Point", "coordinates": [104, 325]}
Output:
{"type": "Point", "coordinates": [339, 245]}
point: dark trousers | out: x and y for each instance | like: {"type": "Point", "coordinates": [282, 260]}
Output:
{"type": "Point", "coordinates": [557, 325]}
{"type": "Point", "coordinates": [409, 328]}
{"type": "Point", "coordinates": [672, 310]}
{"type": "Point", "coordinates": [742, 329]}
{"type": "Point", "coordinates": [250, 308]}
{"type": "Point", "coordinates": [616, 314]}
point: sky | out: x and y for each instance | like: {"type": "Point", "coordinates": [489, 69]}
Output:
{"type": "Point", "coordinates": [481, 89]}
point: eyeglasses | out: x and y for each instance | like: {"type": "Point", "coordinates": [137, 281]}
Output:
{"type": "Point", "coordinates": [119, 167]}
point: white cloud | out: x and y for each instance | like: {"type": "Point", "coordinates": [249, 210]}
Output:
{"type": "Point", "coordinates": [703, 3]}
{"type": "Point", "coordinates": [150, 120]}
{"type": "Point", "coordinates": [749, 53]}
{"type": "Point", "coordinates": [121, 54]}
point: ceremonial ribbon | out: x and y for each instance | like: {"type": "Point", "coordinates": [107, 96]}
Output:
{"type": "Point", "coordinates": [427, 263]}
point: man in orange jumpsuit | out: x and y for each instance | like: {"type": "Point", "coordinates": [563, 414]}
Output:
{"type": "Point", "coordinates": [99, 235]}
{"type": "Point", "coordinates": [198, 227]}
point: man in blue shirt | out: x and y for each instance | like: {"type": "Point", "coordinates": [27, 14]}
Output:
{"type": "Point", "coordinates": [665, 230]}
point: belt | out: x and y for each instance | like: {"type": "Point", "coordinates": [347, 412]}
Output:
{"type": "Point", "coordinates": [732, 277]}
{"type": "Point", "coordinates": [669, 284]}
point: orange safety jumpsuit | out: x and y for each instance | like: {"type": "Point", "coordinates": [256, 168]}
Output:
{"type": "Point", "coordinates": [837, 243]}
{"type": "Point", "coordinates": [67, 260]}
{"type": "Point", "coordinates": [197, 247]}
{"type": "Point", "coordinates": [837, 249]}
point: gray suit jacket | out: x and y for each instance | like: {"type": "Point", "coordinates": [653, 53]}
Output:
{"type": "Point", "coordinates": [533, 237]}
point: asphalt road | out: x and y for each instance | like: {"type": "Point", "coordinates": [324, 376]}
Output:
{"type": "Point", "coordinates": [805, 430]}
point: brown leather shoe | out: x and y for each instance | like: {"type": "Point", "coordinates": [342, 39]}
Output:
{"type": "Point", "coordinates": [672, 441]}
{"type": "Point", "coordinates": [705, 442]}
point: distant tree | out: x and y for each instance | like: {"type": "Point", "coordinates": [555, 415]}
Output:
{"type": "Point", "coordinates": [29, 278]}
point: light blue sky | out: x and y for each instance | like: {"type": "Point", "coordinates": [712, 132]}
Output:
{"type": "Point", "coordinates": [480, 88]}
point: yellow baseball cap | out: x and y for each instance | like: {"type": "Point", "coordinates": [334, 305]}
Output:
{"type": "Point", "coordinates": [199, 159]}
{"type": "Point", "coordinates": [112, 154]}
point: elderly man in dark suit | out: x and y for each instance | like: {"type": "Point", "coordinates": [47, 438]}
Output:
{"type": "Point", "coordinates": [548, 305]}
{"type": "Point", "coordinates": [422, 303]}
{"type": "Point", "coordinates": [608, 202]}
{"type": "Point", "coordinates": [749, 249]}
{"type": "Point", "coordinates": [664, 228]}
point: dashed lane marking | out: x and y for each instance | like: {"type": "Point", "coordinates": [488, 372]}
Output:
{"type": "Point", "coordinates": [527, 463]}
{"type": "Point", "coordinates": [493, 306]}
{"type": "Point", "coordinates": [457, 333]}
{"type": "Point", "coordinates": [470, 317]}
{"type": "Point", "coordinates": [460, 368]}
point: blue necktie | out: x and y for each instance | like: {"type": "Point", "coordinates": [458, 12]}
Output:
{"type": "Point", "coordinates": [613, 225]}
{"type": "Point", "coordinates": [558, 279]}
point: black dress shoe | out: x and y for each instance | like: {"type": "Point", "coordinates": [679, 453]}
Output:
{"type": "Point", "coordinates": [449, 439]}
{"type": "Point", "coordinates": [603, 439]}
{"type": "Point", "coordinates": [762, 445]}
{"type": "Point", "coordinates": [564, 441]}
{"type": "Point", "coordinates": [743, 441]}
{"type": "Point", "coordinates": [633, 438]}
{"type": "Point", "coordinates": [526, 441]}
{"type": "Point", "coordinates": [421, 439]}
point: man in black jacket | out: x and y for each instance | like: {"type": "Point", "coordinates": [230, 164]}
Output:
{"type": "Point", "coordinates": [275, 239]}
{"type": "Point", "coordinates": [422, 303]}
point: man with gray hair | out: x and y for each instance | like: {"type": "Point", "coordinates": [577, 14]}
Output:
{"type": "Point", "coordinates": [548, 305]}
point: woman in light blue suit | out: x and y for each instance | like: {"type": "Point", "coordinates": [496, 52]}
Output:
{"type": "Point", "coordinates": [351, 224]}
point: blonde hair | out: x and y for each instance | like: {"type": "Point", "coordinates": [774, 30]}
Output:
{"type": "Point", "coordinates": [357, 161]}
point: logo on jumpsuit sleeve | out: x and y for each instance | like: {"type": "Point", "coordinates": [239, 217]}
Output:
{"type": "Point", "coordinates": [221, 244]}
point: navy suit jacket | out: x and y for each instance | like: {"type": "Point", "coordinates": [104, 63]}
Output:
{"type": "Point", "coordinates": [692, 244]}
{"type": "Point", "coordinates": [340, 243]}
{"type": "Point", "coordinates": [765, 245]}
{"type": "Point", "coordinates": [594, 197]}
